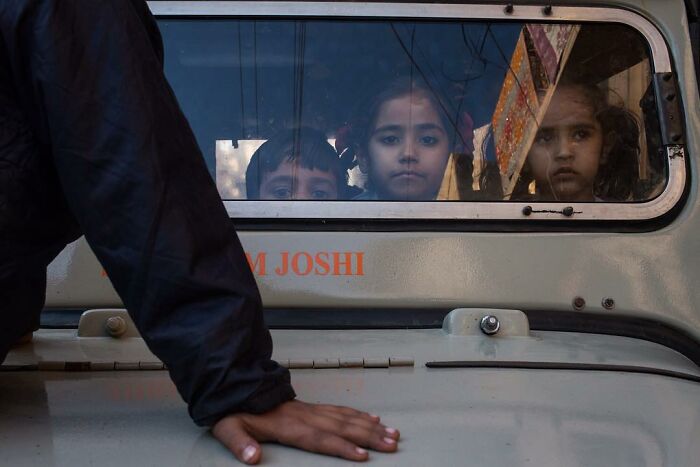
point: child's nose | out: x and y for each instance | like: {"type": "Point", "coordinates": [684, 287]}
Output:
{"type": "Point", "coordinates": [565, 148]}
{"type": "Point", "coordinates": [408, 152]}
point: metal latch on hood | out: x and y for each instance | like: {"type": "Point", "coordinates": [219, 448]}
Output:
{"type": "Point", "coordinates": [488, 321]}
{"type": "Point", "coordinates": [113, 322]}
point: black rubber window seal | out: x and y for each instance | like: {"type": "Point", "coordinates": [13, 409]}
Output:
{"type": "Point", "coordinates": [565, 366]}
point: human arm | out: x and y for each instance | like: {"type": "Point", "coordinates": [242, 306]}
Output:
{"type": "Point", "coordinates": [89, 75]}
{"type": "Point", "coordinates": [132, 175]}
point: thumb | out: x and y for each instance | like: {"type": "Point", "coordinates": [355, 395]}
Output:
{"type": "Point", "coordinates": [231, 432]}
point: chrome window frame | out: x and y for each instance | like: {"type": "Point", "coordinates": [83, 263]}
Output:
{"type": "Point", "coordinates": [447, 210]}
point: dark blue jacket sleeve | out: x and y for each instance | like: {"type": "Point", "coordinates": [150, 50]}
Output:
{"type": "Point", "coordinates": [91, 77]}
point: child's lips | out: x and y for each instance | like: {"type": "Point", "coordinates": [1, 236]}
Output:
{"type": "Point", "coordinates": [408, 174]}
{"type": "Point", "coordinates": [565, 172]}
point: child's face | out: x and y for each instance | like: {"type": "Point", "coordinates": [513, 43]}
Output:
{"type": "Point", "coordinates": [567, 150]}
{"type": "Point", "coordinates": [292, 181]}
{"type": "Point", "coordinates": [408, 150]}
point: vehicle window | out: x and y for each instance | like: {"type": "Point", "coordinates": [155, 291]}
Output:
{"type": "Point", "coordinates": [409, 111]}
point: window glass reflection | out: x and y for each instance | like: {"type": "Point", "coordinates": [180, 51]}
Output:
{"type": "Point", "coordinates": [419, 111]}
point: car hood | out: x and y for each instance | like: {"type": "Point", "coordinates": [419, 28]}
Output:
{"type": "Point", "coordinates": [599, 414]}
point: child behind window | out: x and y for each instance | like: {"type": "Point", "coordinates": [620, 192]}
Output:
{"type": "Point", "coordinates": [297, 164]}
{"type": "Point", "coordinates": [404, 138]}
{"type": "Point", "coordinates": [585, 150]}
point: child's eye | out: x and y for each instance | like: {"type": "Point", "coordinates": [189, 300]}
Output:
{"type": "Point", "coordinates": [282, 193]}
{"type": "Point", "coordinates": [580, 135]}
{"type": "Point", "coordinates": [544, 137]}
{"type": "Point", "coordinates": [320, 194]}
{"type": "Point", "coordinates": [390, 140]}
{"type": "Point", "coordinates": [428, 140]}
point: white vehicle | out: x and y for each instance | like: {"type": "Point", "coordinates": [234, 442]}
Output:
{"type": "Point", "coordinates": [526, 295]}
